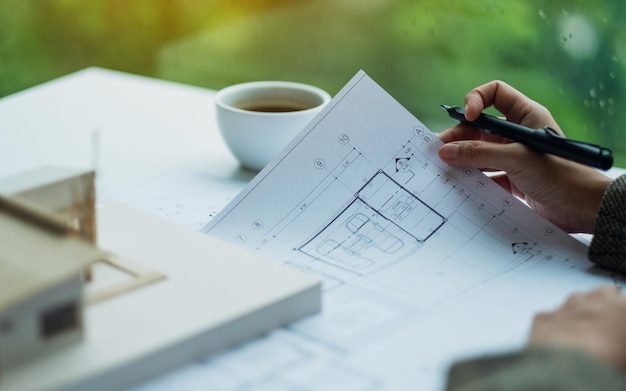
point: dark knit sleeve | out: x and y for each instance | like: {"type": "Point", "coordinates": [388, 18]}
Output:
{"type": "Point", "coordinates": [608, 246]}
{"type": "Point", "coordinates": [535, 369]}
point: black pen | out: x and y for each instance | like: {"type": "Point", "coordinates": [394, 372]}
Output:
{"type": "Point", "coordinates": [545, 140]}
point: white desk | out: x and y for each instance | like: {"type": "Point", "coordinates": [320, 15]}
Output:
{"type": "Point", "coordinates": [140, 125]}
{"type": "Point", "coordinates": [146, 126]}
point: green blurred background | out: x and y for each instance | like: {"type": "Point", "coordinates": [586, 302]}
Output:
{"type": "Point", "coordinates": [568, 55]}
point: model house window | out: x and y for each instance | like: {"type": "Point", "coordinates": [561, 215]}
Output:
{"type": "Point", "coordinates": [59, 319]}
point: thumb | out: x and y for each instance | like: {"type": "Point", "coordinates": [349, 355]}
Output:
{"type": "Point", "coordinates": [481, 154]}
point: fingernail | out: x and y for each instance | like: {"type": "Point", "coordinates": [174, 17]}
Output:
{"type": "Point", "coordinates": [465, 108]}
{"type": "Point", "coordinates": [449, 151]}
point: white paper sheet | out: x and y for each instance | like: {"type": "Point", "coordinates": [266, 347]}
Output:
{"type": "Point", "coordinates": [422, 263]}
{"type": "Point", "coordinates": [181, 196]}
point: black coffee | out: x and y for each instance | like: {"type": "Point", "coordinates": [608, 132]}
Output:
{"type": "Point", "coordinates": [273, 108]}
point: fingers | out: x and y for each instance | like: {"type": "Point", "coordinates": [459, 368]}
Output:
{"type": "Point", "coordinates": [466, 132]}
{"type": "Point", "coordinates": [579, 299]}
{"type": "Point", "coordinates": [506, 99]}
{"type": "Point", "coordinates": [481, 154]}
{"type": "Point", "coordinates": [605, 291]}
{"type": "Point", "coordinates": [593, 321]}
{"type": "Point", "coordinates": [495, 93]}
{"type": "Point", "coordinates": [516, 106]}
{"type": "Point", "coordinates": [578, 306]}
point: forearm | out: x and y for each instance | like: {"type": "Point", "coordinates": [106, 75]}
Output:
{"type": "Point", "coordinates": [533, 370]}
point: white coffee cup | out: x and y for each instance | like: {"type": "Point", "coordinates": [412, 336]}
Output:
{"type": "Point", "coordinates": [258, 119]}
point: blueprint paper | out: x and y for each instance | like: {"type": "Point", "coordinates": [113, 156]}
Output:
{"type": "Point", "coordinates": [181, 196]}
{"type": "Point", "coordinates": [422, 263]}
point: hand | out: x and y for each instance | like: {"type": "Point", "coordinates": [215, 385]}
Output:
{"type": "Point", "coordinates": [594, 322]}
{"type": "Point", "coordinates": [566, 193]}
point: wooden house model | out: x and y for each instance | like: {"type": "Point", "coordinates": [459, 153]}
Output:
{"type": "Point", "coordinates": [44, 257]}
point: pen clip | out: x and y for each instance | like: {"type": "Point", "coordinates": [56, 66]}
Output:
{"type": "Point", "coordinates": [554, 134]}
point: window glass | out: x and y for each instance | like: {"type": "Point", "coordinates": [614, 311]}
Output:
{"type": "Point", "coordinates": [568, 55]}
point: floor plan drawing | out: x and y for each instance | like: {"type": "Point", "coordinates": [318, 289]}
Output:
{"type": "Point", "coordinates": [379, 223]}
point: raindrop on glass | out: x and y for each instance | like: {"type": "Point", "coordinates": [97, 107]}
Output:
{"type": "Point", "coordinates": [542, 14]}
